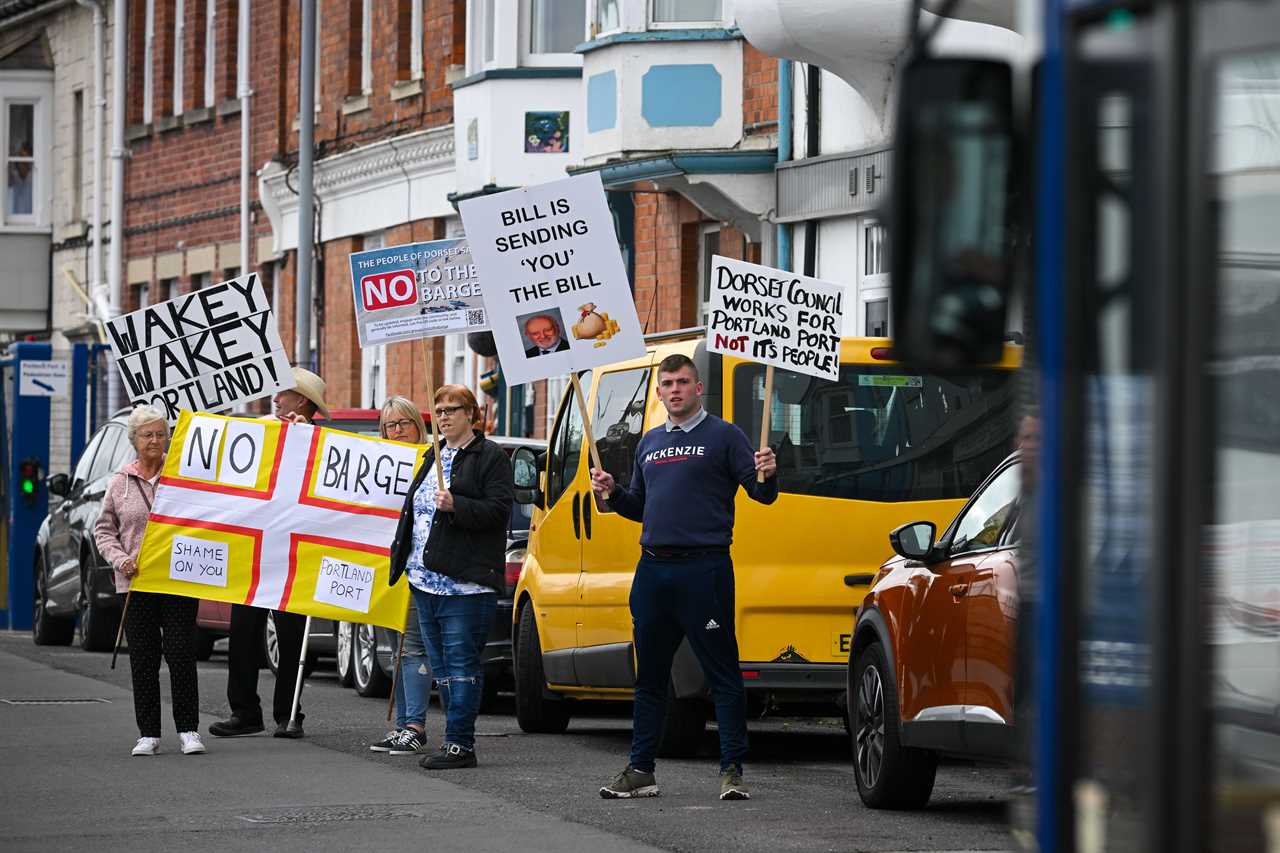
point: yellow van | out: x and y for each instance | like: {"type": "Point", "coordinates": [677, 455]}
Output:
{"type": "Point", "coordinates": [856, 458]}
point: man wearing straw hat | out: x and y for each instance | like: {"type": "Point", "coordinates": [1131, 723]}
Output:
{"type": "Point", "coordinates": [298, 405]}
{"type": "Point", "coordinates": [687, 473]}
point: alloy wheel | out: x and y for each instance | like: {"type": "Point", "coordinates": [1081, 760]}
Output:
{"type": "Point", "coordinates": [366, 646]}
{"type": "Point", "coordinates": [869, 745]}
{"type": "Point", "coordinates": [345, 642]}
{"type": "Point", "coordinates": [273, 643]}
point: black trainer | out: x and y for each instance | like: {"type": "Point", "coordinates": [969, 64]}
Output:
{"type": "Point", "coordinates": [235, 727]}
{"type": "Point", "coordinates": [386, 744]}
{"type": "Point", "coordinates": [450, 757]}
{"type": "Point", "coordinates": [408, 742]}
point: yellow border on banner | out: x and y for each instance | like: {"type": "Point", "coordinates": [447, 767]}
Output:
{"type": "Point", "coordinates": [313, 476]}
{"type": "Point", "coordinates": [266, 459]}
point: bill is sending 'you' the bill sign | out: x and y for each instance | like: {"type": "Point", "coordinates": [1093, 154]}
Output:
{"type": "Point", "coordinates": [554, 284]}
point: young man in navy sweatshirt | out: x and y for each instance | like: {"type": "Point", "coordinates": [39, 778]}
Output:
{"type": "Point", "coordinates": [686, 475]}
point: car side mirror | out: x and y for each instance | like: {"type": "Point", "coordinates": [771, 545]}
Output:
{"type": "Point", "coordinates": [952, 216]}
{"type": "Point", "coordinates": [59, 484]}
{"type": "Point", "coordinates": [915, 540]}
{"type": "Point", "coordinates": [527, 465]}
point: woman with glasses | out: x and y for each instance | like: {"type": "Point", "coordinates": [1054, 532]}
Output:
{"type": "Point", "coordinates": [155, 623]}
{"type": "Point", "coordinates": [400, 420]}
{"type": "Point", "coordinates": [451, 541]}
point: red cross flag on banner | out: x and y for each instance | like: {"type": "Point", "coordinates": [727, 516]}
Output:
{"type": "Point", "coordinates": [287, 516]}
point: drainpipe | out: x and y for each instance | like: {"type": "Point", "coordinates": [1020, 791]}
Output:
{"type": "Point", "coordinates": [99, 105]}
{"type": "Point", "coordinates": [306, 188]}
{"type": "Point", "coordinates": [785, 91]}
{"type": "Point", "coordinates": [245, 93]}
{"type": "Point", "coordinates": [119, 27]}
{"type": "Point", "coordinates": [812, 131]}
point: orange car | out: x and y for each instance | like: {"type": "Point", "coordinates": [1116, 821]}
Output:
{"type": "Point", "coordinates": [931, 663]}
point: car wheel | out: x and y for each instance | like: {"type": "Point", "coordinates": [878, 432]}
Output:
{"type": "Point", "coordinates": [204, 644]}
{"type": "Point", "coordinates": [684, 721]}
{"type": "Point", "coordinates": [346, 651]}
{"type": "Point", "coordinates": [368, 676]}
{"type": "Point", "coordinates": [97, 624]}
{"type": "Point", "coordinates": [48, 630]}
{"type": "Point", "coordinates": [271, 645]}
{"type": "Point", "coordinates": [889, 775]}
{"type": "Point", "coordinates": [536, 712]}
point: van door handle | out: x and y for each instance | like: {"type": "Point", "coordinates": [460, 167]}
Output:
{"type": "Point", "coordinates": [959, 589]}
{"type": "Point", "coordinates": [577, 518]}
{"type": "Point", "coordinates": [586, 512]}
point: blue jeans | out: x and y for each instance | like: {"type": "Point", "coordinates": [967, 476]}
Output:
{"type": "Point", "coordinates": [413, 687]}
{"type": "Point", "coordinates": [454, 630]}
{"type": "Point", "coordinates": [671, 600]}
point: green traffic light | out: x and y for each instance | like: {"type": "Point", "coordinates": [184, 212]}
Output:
{"type": "Point", "coordinates": [28, 487]}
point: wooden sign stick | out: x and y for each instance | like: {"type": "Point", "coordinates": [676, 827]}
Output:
{"type": "Point", "coordinates": [431, 406]}
{"type": "Point", "coordinates": [120, 633]}
{"type": "Point", "coordinates": [764, 416]}
{"type": "Point", "coordinates": [586, 421]}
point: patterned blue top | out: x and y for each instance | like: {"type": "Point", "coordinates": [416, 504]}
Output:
{"type": "Point", "coordinates": [424, 510]}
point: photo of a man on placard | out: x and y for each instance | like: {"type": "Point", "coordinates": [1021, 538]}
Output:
{"type": "Point", "coordinates": [543, 332]}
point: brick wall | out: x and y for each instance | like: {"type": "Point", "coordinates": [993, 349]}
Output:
{"type": "Point", "coordinates": [665, 284]}
{"type": "Point", "coordinates": [759, 91]}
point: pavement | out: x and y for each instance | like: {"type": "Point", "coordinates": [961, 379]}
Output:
{"type": "Point", "coordinates": [70, 783]}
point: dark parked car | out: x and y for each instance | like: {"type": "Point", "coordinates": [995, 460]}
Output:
{"type": "Point", "coordinates": [366, 652]}
{"type": "Point", "coordinates": [73, 584]}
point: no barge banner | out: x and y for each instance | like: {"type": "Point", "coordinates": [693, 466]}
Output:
{"type": "Point", "coordinates": [286, 516]}
{"type": "Point", "coordinates": [207, 350]}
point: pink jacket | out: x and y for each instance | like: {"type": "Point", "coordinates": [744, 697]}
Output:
{"type": "Point", "coordinates": [125, 508]}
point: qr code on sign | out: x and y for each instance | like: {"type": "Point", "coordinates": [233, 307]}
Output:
{"type": "Point", "coordinates": [475, 316]}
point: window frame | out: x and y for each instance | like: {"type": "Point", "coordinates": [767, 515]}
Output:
{"type": "Point", "coordinates": [373, 360]}
{"type": "Point", "coordinates": [148, 61]}
{"type": "Point", "coordinates": [210, 53]}
{"type": "Point", "coordinates": [34, 88]}
{"type": "Point", "coordinates": [179, 54]}
{"type": "Point", "coordinates": [872, 287]}
{"type": "Point", "coordinates": [621, 474]}
{"type": "Point", "coordinates": [529, 58]}
{"type": "Point", "coordinates": [705, 230]}
{"type": "Point", "coordinates": [593, 19]}
{"type": "Point", "coordinates": [653, 24]}
{"type": "Point", "coordinates": [978, 494]}
{"type": "Point", "coordinates": [366, 47]}
{"type": "Point", "coordinates": [416, 12]}
{"type": "Point", "coordinates": [567, 410]}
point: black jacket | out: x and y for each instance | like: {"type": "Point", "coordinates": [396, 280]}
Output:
{"type": "Point", "coordinates": [470, 543]}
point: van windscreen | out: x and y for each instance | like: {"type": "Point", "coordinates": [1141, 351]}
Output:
{"type": "Point", "coordinates": [883, 432]}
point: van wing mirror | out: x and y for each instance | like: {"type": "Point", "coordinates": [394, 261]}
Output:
{"type": "Point", "coordinates": [915, 540]}
{"type": "Point", "coordinates": [952, 216]}
{"type": "Point", "coordinates": [526, 467]}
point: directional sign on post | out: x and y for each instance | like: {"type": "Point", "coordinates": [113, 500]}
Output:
{"type": "Point", "coordinates": [43, 379]}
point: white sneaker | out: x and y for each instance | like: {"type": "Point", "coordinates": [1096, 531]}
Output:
{"type": "Point", "coordinates": [147, 746]}
{"type": "Point", "coordinates": [191, 743]}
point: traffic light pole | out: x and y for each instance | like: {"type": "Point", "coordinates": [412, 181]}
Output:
{"type": "Point", "coordinates": [28, 440]}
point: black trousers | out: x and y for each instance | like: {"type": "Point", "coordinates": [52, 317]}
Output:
{"type": "Point", "coordinates": [245, 656]}
{"type": "Point", "coordinates": [159, 624]}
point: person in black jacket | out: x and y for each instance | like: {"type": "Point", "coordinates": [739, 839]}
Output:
{"type": "Point", "coordinates": [452, 543]}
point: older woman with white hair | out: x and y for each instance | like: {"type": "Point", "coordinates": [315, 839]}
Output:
{"type": "Point", "coordinates": [155, 624]}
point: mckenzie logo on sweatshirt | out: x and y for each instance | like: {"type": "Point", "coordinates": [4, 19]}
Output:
{"type": "Point", "coordinates": [674, 454]}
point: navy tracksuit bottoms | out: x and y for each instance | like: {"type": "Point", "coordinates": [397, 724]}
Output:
{"type": "Point", "coordinates": [672, 599]}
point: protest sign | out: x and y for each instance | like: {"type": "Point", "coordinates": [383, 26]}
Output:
{"type": "Point", "coordinates": [418, 290]}
{"type": "Point", "coordinates": [281, 515]}
{"type": "Point", "coordinates": [555, 286]}
{"type": "Point", "coordinates": [207, 350]}
{"type": "Point", "coordinates": [774, 317]}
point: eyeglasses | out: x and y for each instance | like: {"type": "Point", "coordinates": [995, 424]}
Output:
{"type": "Point", "coordinates": [397, 426]}
{"type": "Point", "coordinates": [447, 411]}
{"type": "Point", "coordinates": [152, 436]}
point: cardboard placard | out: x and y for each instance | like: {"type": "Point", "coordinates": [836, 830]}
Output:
{"type": "Point", "coordinates": [776, 318]}
{"type": "Point", "coordinates": [555, 286]}
{"type": "Point", "coordinates": [207, 350]}
{"type": "Point", "coordinates": [418, 290]}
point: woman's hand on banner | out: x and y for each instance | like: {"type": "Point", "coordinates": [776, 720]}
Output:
{"type": "Point", "coordinates": [766, 462]}
{"type": "Point", "coordinates": [129, 567]}
{"type": "Point", "coordinates": [444, 500]}
{"type": "Point", "coordinates": [601, 483]}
